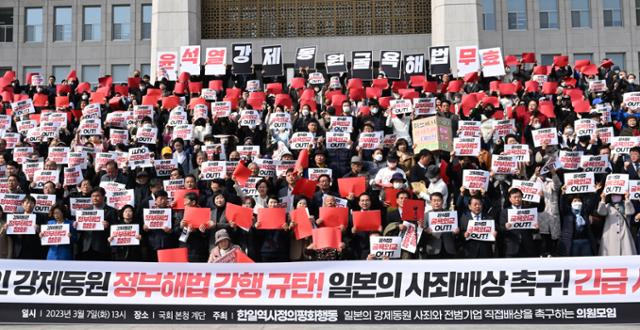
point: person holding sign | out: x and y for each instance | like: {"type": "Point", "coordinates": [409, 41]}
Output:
{"type": "Point", "coordinates": [126, 252]}
{"type": "Point", "coordinates": [577, 238]}
{"type": "Point", "coordinates": [94, 244]}
{"type": "Point", "coordinates": [439, 245]}
{"type": "Point", "coordinates": [617, 238]}
{"type": "Point", "coordinates": [194, 223]}
{"type": "Point", "coordinates": [164, 238]}
{"type": "Point", "coordinates": [359, 240]}
{"type": "Point", "coordinates": [273, 244]}
{"type": "Point", "coordinates": [518, 242]}
{"type": "Point", "coordinates": [26, 246]}
{"type": "Point", "coordinates": [61, 252]}
{"type": "Point", "coordinates": [474, 248]}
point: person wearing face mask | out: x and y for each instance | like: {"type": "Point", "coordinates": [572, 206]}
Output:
{"type": "Point", "coordinates": [305, 116]}
{"type": "Point", "coordinates": [631, 85]}
{"type": "Point", "coordinates": [577, 239]}
{"type": "Point", "coordinates": [384, 175]}
{"type": "Point", "coordinates": [568, 138]}
{"type": "Point", "coordinates": [436, 185]}
{"type": "Point", "coordinates": [400, 125]}
{"type": "Point", "coordinates": [617, 238]}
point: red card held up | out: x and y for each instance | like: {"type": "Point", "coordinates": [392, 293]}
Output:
{"type": "Point", "coordinates": [178, 197]}
{"type": "Point", "coordinates": [390, 196]}
{"type": "Point", "coordinates": [173, 255]}
{"type": "Point", "coordinates": [303, 226]}
{"type": "Point", "coordinates": [355, 185]}
{"type": "Point", "coordinates": [413, 210]}
{"type": "Point", "coordinates": [334, 216]}
{"type": "Point", "coordinates": [326, 237]}
{"type": "Point", "coordinates": [196, 216]}
{"type": "Point", "coordinates": [364, 221]}
{"type": "Point", "coordinates": [304, 187]}
{"type": "Point", "coordinates": [242, 174]}
{"type": "Point", "coordinates": [272, 218]}
{"type": "Point", "coordinates": [241, 216]}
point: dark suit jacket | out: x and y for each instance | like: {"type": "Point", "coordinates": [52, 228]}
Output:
{"type": "Point", "coordinates": [97, 240]}
{"type": "Point", "coordinates": [473, 248]}
{"type": "Point", "coordinates": [518, 242]}
{"type": "Point", "coordinates": [435, 242]}
{"type": "Point", "coordinates": [28, 246]}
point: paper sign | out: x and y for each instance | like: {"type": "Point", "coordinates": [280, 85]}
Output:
{"type": "Point", "coordinates": [475, 179]}
{"type": "Point", "coordinates": [577, 183]}
{"type": "Point", "coordinates": [597, 86]}
{"type": "Point", "coordinates": [466, 146]}
{"type": "Point", "coordinates": [356, 185]}
{"type": "Point", "coordinates": [401, 106]}
{"type": "Point", "coordinates": [622, 144]}
{"type": "Point", "coordinates": [365, 221]}
{"type": "Point", "coordinates": [212, 170]}
{"type": "Point", "coordinates": [595, 164]}
{"type": "Point", "coordinates": [530, 190]}
{"type": "Point", "coordinates": [272, 218]}
{"type": "Point", "coordinates": [413, 209]}
{"type": "Point", "coordinates": [157, 218]}
{"type": "Point", "coordinates": [502, 164]}
{"type": "Point", "coordinates": [370, 140]}
{"type": "Point", "coordinates": [522, 218]}
{"type": "Point", "coordinates": [481, 230]}
{"type": "Point", "coordinates": [334, 216]}
{"type": "Point", "coordinates": [301, 140]}
{"type": "Point", "coordinates": [21, 224]}
{"type": "Point", "coordinates": [570, 160]}
{"type": "Point", "coordinates": [90, 220]}
{"type": "Point", "coordinates": [326, 238]}
{"type": "Point", "coordinates": [241, 216]}
{"type": "Point", "coordinates": [424, 106]}
{"type": "Point", "coordinates": [585, 127]}
{"type": "Point", "coordinates": [337, 140]}
{"type": "Point", "coordinates": [303, 227]}
{"type": "Point", "coordinates": [57, 234]}
{"type": "Point", "coordinates": [119, 199]}
{"type": "Point", "coordinates": [544, 136]}
{"type": "Point", "coordinates": [43, 203]}
{"type": "Point", "coordinates": [221, 109]}
{"type": "Point", "coordinates": [146, 135]}
{"type": "Point", "coordinates": [167, 66]}
{"type": "Point", "coordinates": [519, 151]}
{"type": "Point", "coordinates": [173, 255]}
{"type": "Point", "coordinates": [190, 59]}
{"type": "Point", "coordinates": [443, 222]}
{"type": "Point", "coordinates": [632, 101]}
{"type": "Point", "coordinates": [467, 60]}
{"type": "Point", "coordinates": [123, 235]}
{"type": "Point", "coordinates": [79, 203]}
{"type": "Point", "coordinates": [385, 246]}
{"type": "Point", "coordinates": [215, 61]}
{"type": "Point", "coordinates": [341, 124]}
{"type": "Point", "coordinates": [40, 177]}
{"type": "Point", "coordinates": [491, 61]}
{"type": "Point", "coordinates": [197, 216]}
{"type": "Point", "coordinates": [616, 184]}
{"type": "Point", "coordinates": [410, 236]}
{"type": "Point", "coordinates": [12, 203]}
{"type": "Point", "coordinates": [469, 128]}
{"type": "Point", "coordinates": [503, 128]}
{"type": "Point", "coordinates": [634, 189]}
{"type": "Point", "coordinates": [605, 134]}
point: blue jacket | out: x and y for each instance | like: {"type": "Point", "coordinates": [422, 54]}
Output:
{"type": "Point", "coordinates": [62, 252]}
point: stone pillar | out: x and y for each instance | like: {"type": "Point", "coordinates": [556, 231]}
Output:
{"type": "Point", "coordinates": [174, 23]}
{"type": "Point", "coordinates": [455, 23]}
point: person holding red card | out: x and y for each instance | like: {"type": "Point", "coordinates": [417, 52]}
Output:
{"type": "Point", "coordinates": [194, 238]}
{"type": "Point", "coordinates": [273, 243]}
{"type": "Point", "coordinates": [359, 240]}
{"type": "Point", "coordinates": [300, 227]}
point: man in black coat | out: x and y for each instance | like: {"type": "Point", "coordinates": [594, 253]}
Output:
{"type": "Point", "coordinates": [161, 238]}
{"type": "Point", "coordinates": [518, 242]}
{"type": "Point", "coordinates": [93, 245]}
{"type": "Point", "coordinates": [474, 248]}
{"type": "Point", "coordinates": [576, 237]}
{"type": "Point", "coordinates": [419, 170]}
{"type": "Point", "coordinates": [439, 245]}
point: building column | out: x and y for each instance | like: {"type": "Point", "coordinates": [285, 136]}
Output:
{"type": "Point", "coordinates": [174, 23]}
{"type": "Point", "coordinates": [455, 23]}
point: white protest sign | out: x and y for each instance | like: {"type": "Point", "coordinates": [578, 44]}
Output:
{"type": "Point", "coordinates": [492, 63]}
{"type": "Point", "coordinates": [466, 146]}
{"type": "Point", "coordinates": [443, 222]}
{"type": "Point", "coordinates": [577, 183]}
{"type": "Point", "coordinates": [370, 140]}
{"type": "Point", "coordinates": [481, 230]}
{"type": "Point", "coordinates": [401, 106]}
{"type": "Point", "coordinates": [90, 220]}
{"type": "Point", "coordinates": [503, 164]}
{"type": "Point", "coordinates": [57, 234]}
{"type": "Point", "coordinates": [157, 218]}
{"type": "Point", "coordinates": [337, 140]}
{"type": "Point", "coordinates": [301, 140]}
{"type": "Point", "coordinates": [522, 218]}
{"type": "Point", "coordinates": [385, 246]}
{"type": "Point", "coordinates": [211, 170]}
{"type": "Point", "coordinates": [469, 128]}
{"type": "Point", "coordinates": [410, 236]}
{"type": "Point", "coordinates": [424, 106]}
{"type": "Point", "coordinates": [545, 136]}
{"type": "Point", "coordinates": [315, 173]}
{"type": "Point", "coordinates": [616, 184]}
{"type": "Point", "coordinates": [79, 203]}
{"type": "Point", "coordinates": [125, 234]}
{"type": "Point", "coordinates": [632, 101]}
{"type": "Point", "coordinates": [475, 179]}
{"type": "Point", "coordinates": [21, 224]}
{"type": "Point", "coordinates": [570, 160]}
{"type": "Point", "coordinates": [530, 190]}
{"type": "Point", "coordinates": [520, 151]}
{"type": "Point", "coordinates": [341, 124]}
{"type": "Point", "coordinates": [622, 144]}
{"type": "Point", "coordinates": [595, 164]}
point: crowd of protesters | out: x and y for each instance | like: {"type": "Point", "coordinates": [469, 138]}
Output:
{"type": "Point", "coordinates": [581, 224]}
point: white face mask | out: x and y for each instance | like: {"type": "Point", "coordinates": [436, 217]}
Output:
{"type": "Point", "coordinates": [433, 180]}
{"type": "Point", "coordinates": [568, 131]}
{"type": "Point", "coordinates": [374, 110]}
{"type": "Point", "coordinates": [346, 109]}
{"type": "Point", "coordinates": [398, 185]}
{"type": "Point", "coordinates": [616, 198]}
{"type": "Point", "coordinates": [631, 81]}
{"type": "Point", "coordinates": [377, 157]}
{"type": "Point", "coordinates": [147, 125]}
{"type": "Point", "coordinates": [576, 206]}
{"type": "Point", "coordinates": [536, 125]}
{"type": "Point", "coordinates": [305, 112]}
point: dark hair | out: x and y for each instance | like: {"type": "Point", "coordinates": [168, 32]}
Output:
{"type": "Point", "coordinates": [402, 192]}
{"type": "Point", "coordinates": [121, 212]}
{"type": "Point", "coordinates": [162, 193]}
{"type": "Point", "coordinates": [29, 198]}
{"type": "Point", "coordinates": [436, 194]}
{"type": "Point", "coordinates": [515, 191]}
{"type": "Point", "coordinates": [253, 201]}
{"type": "Point", "coordinates": [272, 197]}
{"type": "Point", "coordinates": [98, 190]}
{"type": "Point", "coordinates": [477, 197]}
{"type": "Point", "coordinates": [60, 207]}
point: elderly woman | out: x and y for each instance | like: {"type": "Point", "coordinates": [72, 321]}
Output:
{"type": "Point", "coordinates": [223, 245]}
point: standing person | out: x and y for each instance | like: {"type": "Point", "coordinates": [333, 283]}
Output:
{"type": "Point", "coordinates": [439, 245]}
{"type": "Point", "coordinates": [27, 246]}
{"type": "Point", "coordinates": [160, 238]}
{"type": "Point", "coordinates": [93, 245]}
{"type": "Point", "coordinates": [577, 238]}
{"type": "Point", "coordinates": [549, 219]}
{"type": "Point", "coordinates": [617, 239]}
{"type": "Point", "coordinates": [274, 243]}
{"type": "Point", "coordinates": [474, 248]}
{"type": "Point", "coordinates": [518, 242]}
{"type": "Point", "coordinates": [195, 239]}
{"type": "Point", "coordinates": [6, 246]}
{"type": "Point", "coordinates": [61, 252]}
{"type": "Point", "coordinates": [127, 252]}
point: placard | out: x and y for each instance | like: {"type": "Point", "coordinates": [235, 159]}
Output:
{"type": "Point", "coordinates": [249, 118]}
{"type": "Point", "coordinates": [578, 183]}
{"type": "Point", "coordinates": [212, 170]}
{"type": "Point", "coordinates": [545, 136]}
{"type": "Point", "coordinates": [242, 60]}
{"type": "Point", "coordinates": [272, 65]}
{"type": "Point", "coordinates": [362, 65]}
{"type": "Point", "coordinates": [432, 133]}
{"type": "Point", "coordinates": [90, 220]}
{"type": "Point", "coordinates": [370, 140]}
{"type": "Point", "coordinates": [341, 124]}
{"type": "Point", "coordinates": [305, 57]}
{"type": "Point", "coordinates": [466, 146]}
{"type": "Point", "coordinates": [503, 128]}
{"type": "Point", "coordinates": [595, 164]}
{"type": "Point", "coordinates": [43, 203]}
{"type": "Point", "coordinates": [585, 127]}
{"type": "Point", "coordinates": [424, 106]}
{"type": "Point", "coordinates": [401, 106]}
{"type": "Point", "coordinates": [519, 151]}
{"type": "Point", "coordinates": [124, 235]}
{"type": "Point", "coordinates": [157, 218]}
{"type": "Point", "coordinates": [522, 218]}
{"type": "Point", "coordinates": [570, 160]}
{"type": "Point", "coordinates": [504, 164]}
{"type": "Point", "coordinates": [57, 234]}
{"type": "Point", "coordinates": [475, 179]}
{"type": "Point", "coordinates": [337, 140]}
{"type": "Point", "coordinates": [443, 222]}
{"type": "Point", "coordinates": [21, 224]}
{"type": "Point", "coordinates": [492, 63]}
{"type": "Point", "coordinates": [467, 60]}
{"type": "Point", "coordinates": [439, 60]}
{"type": "Point", "coordinates": [597, 86]}
{"type": "Point", "coordinates": [215, 61]}
{"type": "Point", "coordinates": [530, 190]}
{"type": "Point", "coordinates": [390, 63]}
{"type": "Point", "coordinates": [622, 144]}
{"type": "Point", "coordinates": [301, 140]}
{"type": "Point", "coordinates": [414, 65]}
{"type": "Point", "coordinates": [616, 184]}
{"type": "Point", "coordinates": [167, 66]}
{"type": "Point", "coordinates": [632, 101]}
{"type": "Point", "coordinates": [315, 173]}
{"type": "Point", "coordinates": [385, 246]}
{"type": "Point", "coordinates": [410, 236]}
{"type": "Point", "coordinates": [335, 63]}
{"type": "Point", "coordinates": [634, 190]}
{"type": "Point", "coordinates": [481, 230]}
